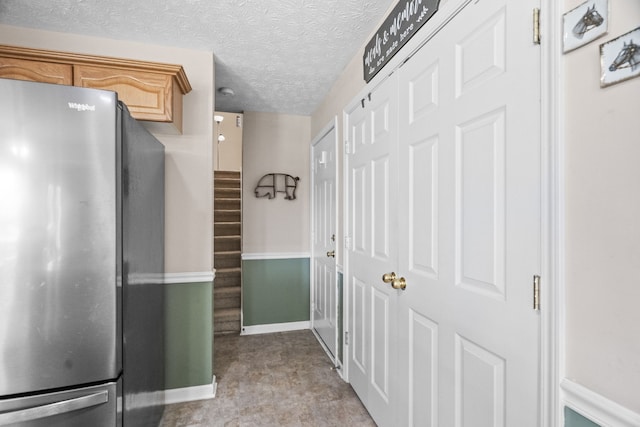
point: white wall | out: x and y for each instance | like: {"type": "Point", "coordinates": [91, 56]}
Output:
{"type": "Point", "coordinates": [603, 220]}
{"type": "Point", "coordinates": [189, 162]}
{"type": "Point", "coordinates": [228, 153]}
{"type": "Point", "coordinates": [275, 143]}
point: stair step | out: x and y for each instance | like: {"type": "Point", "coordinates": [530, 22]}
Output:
{"type": "Point", "coordinates": [227, 272]}
{"type": "Point", "coordinates": [226, 320]}
{"type": "Point", "coordinates": [227, 183]}
{"type": "Point", "coordinates": [227, 243]}
{"type": "Point", "coordinates": [229, 259]}
{"type": "Point", "coordinates": [226, 229]}
{"type": "Point", "coordinates": [227, 193]}
{"type": "Point", "coordinates": [221, 203]}
{"type": "Point", "coordinates": [227, 313]}
{"type": "Point", "coordinates": [227, 291]}
{"type": "Point", "coordinates": [226, 174]}
{"type": "Point", "coordinates": [227, 297]}
{"type": "Point", "coordinates": [227, 277]}
{"type": "Point", "coordinates": [227, 215]}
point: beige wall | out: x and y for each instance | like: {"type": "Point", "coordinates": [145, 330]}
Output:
{"type": "Point", "coordinates": [603, 220]}
{"type": "Point", "coordinates": [228, 153]}
{"type": "Point", "coordinates": [189, 163]}
{"type": "Point", "coordinates": [275, 143]}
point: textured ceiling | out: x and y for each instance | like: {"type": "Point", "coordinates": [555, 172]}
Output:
{"type": "Point", "coordinates": [277, 55]}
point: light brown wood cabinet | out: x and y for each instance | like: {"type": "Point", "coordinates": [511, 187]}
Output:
{"type": "Point", "coordinates": [148, 96]}
{"type": "Point", "coordinates": [47, 72]}
{"type": "Point", "coordinates": [152, 91]}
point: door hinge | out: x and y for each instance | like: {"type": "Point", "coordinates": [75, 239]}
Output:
{"type": "Point", "coordinates": [346, 338]}
{"type": "Point", "coordinates": [536, 293]}
{"type": "Point", "coordinates": [347, 242]}
{"type": "Point", "coordinates": [536, 26]}
{"type": "Point", "coordinates": [347, 147]}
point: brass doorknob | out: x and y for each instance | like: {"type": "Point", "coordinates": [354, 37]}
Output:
{"type": "Point", "coordinates": [331, 254]}
{"type": "Point", "coordinates": [400, 283]}
{"type": "Point", "coordinates": [388, 277]}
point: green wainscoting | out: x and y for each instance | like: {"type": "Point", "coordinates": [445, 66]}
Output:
{"type": "Point", "coordinates": [189, 334]}
{"type": "Point", "coordinates": [275, 291]}
{"type": "Point", "coordinates": [574, 419]}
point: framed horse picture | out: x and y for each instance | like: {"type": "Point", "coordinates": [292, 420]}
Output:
{"type": "Point", "coordinates": [620, 58]}
{"type": "Point", "coordinates": [585, 23]}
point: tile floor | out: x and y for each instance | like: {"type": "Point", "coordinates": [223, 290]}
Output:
{"type": "Point", "coordinates": [281, 379]}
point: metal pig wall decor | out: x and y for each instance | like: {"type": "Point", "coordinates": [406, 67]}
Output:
{"type": "Point", "coordinates": [273, 183]}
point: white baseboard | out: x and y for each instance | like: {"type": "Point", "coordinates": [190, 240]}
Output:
{"type": "Point", "coordinates": [189, 277]}
{"type": "Point", "coordinates": [596, 407]}
{"type": "Point", "coordinates": [188, 394]}
{"type": "Point", "coordinates": [275, 327]}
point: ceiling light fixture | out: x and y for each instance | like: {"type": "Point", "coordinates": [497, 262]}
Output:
{"type": "Point", "coordinates": [218, 119]}
{"type": "Point", "coordinates": [226, 91]}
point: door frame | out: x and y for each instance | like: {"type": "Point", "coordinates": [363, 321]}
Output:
{"type": "Point", "coordinates": [552, 339]}
{"type": "Point", "coordinates": [331, 126]}
{"type": "Point", "coordinates": [553, 213]}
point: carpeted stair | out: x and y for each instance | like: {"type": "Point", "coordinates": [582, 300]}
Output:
{"type": "Point", "coordinates": [227, 233]}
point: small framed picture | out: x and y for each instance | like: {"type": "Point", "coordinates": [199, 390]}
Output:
{"type": "Point", "coordinates": [620, 58]}
{"type": "Point", "coordinates": [585, 23]}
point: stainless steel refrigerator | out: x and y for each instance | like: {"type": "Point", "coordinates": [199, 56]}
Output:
{"type": "Point", "coordinates": [81, 260]}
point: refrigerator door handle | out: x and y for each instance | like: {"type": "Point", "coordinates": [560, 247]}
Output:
{"type": "Point", "coordinates": [55, 408]}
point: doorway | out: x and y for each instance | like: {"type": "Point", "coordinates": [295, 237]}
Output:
{"type": "Point", "coordinates": [325, 297]}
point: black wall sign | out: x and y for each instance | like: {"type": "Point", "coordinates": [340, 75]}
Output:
{"type": "Point", "coordinates": [403, 22]}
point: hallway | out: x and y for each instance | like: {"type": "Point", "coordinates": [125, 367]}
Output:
{"type": "Point", "coordinates": [281, 379]}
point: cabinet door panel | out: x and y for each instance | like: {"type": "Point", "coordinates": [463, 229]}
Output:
{"type": "Point", "coordinates": [147, 95]}
{"type": "Point", "coordinates": [35, 71]}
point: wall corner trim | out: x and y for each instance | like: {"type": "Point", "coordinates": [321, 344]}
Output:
{"type": "Point", "coordinates": [275, 327]}
{"type": "Point", "coordinates": [596, 407]}
{"type": "Point", "coordinates": [189, 277]}
{"type": "Point", "coordinates": [189, 394]}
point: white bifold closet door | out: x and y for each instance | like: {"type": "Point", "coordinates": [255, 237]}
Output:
{"type": "Point", "coordinates": [444, 190]}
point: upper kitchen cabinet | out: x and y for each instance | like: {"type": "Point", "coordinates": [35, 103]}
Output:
{"type": "Point", "coordinates": [47, 72]}
{"type": "Point", "coordinates": [149, 96]}
{"type": "Point", "coordinates": [152, 91]}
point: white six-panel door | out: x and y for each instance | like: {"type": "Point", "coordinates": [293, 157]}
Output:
{"type": "Point", "coordinates": [462, 338]}
{"type": "Point", "coordinates": [372, 168]}
{"type": "Point", "coordinates": [324, 299]}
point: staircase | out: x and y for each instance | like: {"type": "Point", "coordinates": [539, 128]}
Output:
{"type": "Point", "coordinates": [227, 260]}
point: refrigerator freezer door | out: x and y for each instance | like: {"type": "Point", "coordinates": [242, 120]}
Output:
{"type": "Point", "coordinates": [143, 290]}
{"type": "Point", "coordinates": [59, 224]}
{"type": "Point", "coordinates": [91, 406]}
